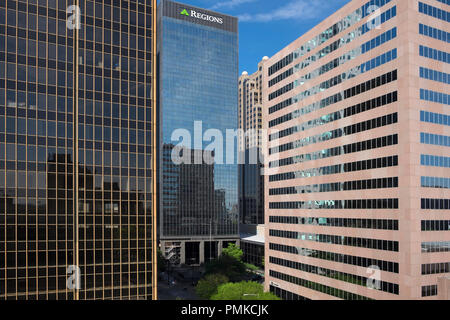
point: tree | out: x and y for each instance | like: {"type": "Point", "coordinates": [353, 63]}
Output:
{"type": "Point", "coordinates": [251, 267]}
{"type": "Point", "coordinates": [244, 290]}
{"type": "Point", "coordinates": [233, 251]}
{"type": "Point", "coordinates": [207, 286]}
{"type": "Point", "coordinates": [227, 265]}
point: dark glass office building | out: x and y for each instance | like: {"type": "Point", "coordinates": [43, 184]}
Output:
{"type": "Point", "coordinates": [76, 149]}
{"type": "Point", "coordinates": [198, 71]}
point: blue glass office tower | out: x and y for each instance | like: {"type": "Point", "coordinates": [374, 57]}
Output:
{"type": "Point", "coordinates": [198, 72]}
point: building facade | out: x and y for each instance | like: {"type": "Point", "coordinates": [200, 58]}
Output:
{"type": "Point", "coordinates": [76, 110]}
{"type": "Point", "coordinates": [197, 78]}
{"type": "Point", "coordinates": [357, 186]}
{"type": "Point", "coordinates": [251, 178]}
{"type": "Point", "coordinates": [251, 181]}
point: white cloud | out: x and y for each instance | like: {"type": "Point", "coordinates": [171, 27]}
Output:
{"type": "Point", "coordinates": [230, 4]}
{"type": "Point", "coordinates": [297, 9]}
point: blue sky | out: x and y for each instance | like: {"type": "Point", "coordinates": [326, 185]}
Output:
{"type": "Point", "coordinates": [267, 26]}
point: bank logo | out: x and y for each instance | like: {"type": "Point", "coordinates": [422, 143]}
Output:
{"type": "Point", "coordinates": [201, 16]}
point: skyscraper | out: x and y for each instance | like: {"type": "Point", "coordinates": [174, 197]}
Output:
{"type": "Point", "coordinates": [251, 182]}
{"type": "Point", "coordinates": [76, 149]}
{"type": "Point", "coordinates": [357, 192]}
{"type": "Point", "coordinates": [251, 178]}
{"type": "Point", "coordinates": [197, 78]}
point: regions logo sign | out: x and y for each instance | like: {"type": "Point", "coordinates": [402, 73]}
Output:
{"type": "Point", "coordinates": [201, 16]}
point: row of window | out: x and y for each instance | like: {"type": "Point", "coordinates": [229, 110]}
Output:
{"type": "Point", "coordinates": [436, 246]}
{"type": "Point", "coordinates": [345, 40]}
{"type": "Point", "coordinates": [334, 274]}
{"type": "Point", "coordinates": [348, 56]}
{"type": "Point", "coordinates": [135, 5]}
{"type": "Point", "coordinates": [17, 97]}
{"type": "Point", "coordinates": [428, 291]}
{"type": "Point", "coordinates": [342, 294]}
{"type": "Point", "coordinates": [344, 24]}
{"type": "Point", "coordinates": [434, 54]}
{"type": "Point", "coordinates": [435, 225]}
{"type": "Point", "coordinates": [377, 244]}
{"type": "Point", "coordinates": [447, 2]}
{"type": "Point", "coordinates": [337, 151]}
{"type": "Point", "coordinates": [348, 93]}
{"type": "Point", "coordinates": [367, 184]}
{"type": "Point", "coordinates": [128, 41]}
{"type": "Point", "coordinates": [341, 114]}
{"type": "Point", "coordinates": [384, 162]}
{"type": "Point", "coordinates": [32, 75]}
{"type": "Point", "coordinates": [434, 161]}
{"type": "Point", "coordinates": [435, 182]}
{"type": "Point", "coordinates": [32, 234]}
{"type": "Point", "coordinates": [381, 39]}
{"type": "Point", "coordinates": [379, 224]}
{"type": "Point", "coordinates": [438, 118]}
{"type": "Point", "coordinates": [281, 91]}
{"type": "Point", "coordinates": [434, 75]}
{"type": "Point", "coordinates": [286, 295]}
{"type": "Point", "coordinates": [337, 257]}
{"type": "Point", "coordinates": [434, 12]}
{"type": "Point", "coordinates": [434, 204]}
{"type": "Point", "coordinates": [337, 204]}
{"type": "Point", "coordinates": [281, 77]}
{"type": "Point", "coordinates": [48, 128]}
{"type": "Point", "coordinates": [435, 268]}
{"type": "Point", "coordinates": [37, 19]}
{"type": "Point", "coordinates": [281, 64]}
{"type": "Point", "coordinates": [344, 113]}
{"type": "Point", "coordinates": [432, 96]}
{"type": "Point", "coordinates": [435, 139]}
{"type": "Point", "coordinates": [349, 74]}
{"type": "Point", "coordinates": [367, 125]}
{"type": "Point", "coordinates": [434, 33]}
{"type": "Point", "coordinates": [310, 45]}
{"type": "Point", "coordinates": [378, 61]}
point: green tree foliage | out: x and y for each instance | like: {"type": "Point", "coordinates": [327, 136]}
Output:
{"type": "Point", "coordinates": [229, 264]}
{"type": "Point", "coordinates": [244, 290]}
{"type": "Point", "coordinates": [251, 267]}
{"type": "Point", "coordinates": [233, 251]}
{"type": "Point", "coordinates": [207, 286]}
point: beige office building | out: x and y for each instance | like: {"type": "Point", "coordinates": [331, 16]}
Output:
{"type": "Point", "coordinates": [357, 187]}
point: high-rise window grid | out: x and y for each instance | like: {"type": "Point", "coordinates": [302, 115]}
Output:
{"type": "Point", "coordinates": [38, 140]}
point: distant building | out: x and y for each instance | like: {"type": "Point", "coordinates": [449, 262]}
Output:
{"type": "Point", "coordinates": [251, 179]}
